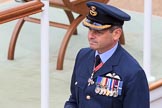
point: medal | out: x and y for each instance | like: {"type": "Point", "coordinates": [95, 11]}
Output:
{"type": "Point", "coordinates": [97, 89]}
{"type": "Point", "coordinates": [104, 91]}
{"type": "Point", "coordinates": [101, 91]}
{"type": "Point", "coordinates": [111, 93]}
{"type": "Point", "coordinates": [115, 93]}
{"type": "Point", "coordinates": [98, 82]}
{"type": "Point", "coordinates": [90, 81]}
{"type": "Point", "coordinates": [115, 88]}
{"type": "Point", "coordinates": [107, 92]}
{"type": "Point", "coordinates": [111, 85]}
{"type": "Point", "coordinates": [120, 84]}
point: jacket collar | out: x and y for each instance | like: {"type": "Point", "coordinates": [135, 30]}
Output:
{"type": "Point", "coordinates": [112, 61]}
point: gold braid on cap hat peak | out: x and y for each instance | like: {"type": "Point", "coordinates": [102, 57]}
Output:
{"type": "Point", "coordinates": [94, 26]}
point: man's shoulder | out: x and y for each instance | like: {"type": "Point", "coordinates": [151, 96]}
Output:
{"type": "Point", "coordinates": [85, 51]}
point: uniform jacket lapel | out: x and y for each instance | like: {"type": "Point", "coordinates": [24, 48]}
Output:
{"type": "Point", "coordinates": [90, 62]}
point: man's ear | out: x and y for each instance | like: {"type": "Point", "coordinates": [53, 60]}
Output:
{"type": "Point", "coordinates": [117, 33]}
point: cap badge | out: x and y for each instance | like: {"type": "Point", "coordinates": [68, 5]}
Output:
{"type": "Point", "coordinates": [93, 11]}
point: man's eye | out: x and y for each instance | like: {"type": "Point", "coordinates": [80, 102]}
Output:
{"type": "Point", "coordinates": [99, 32]}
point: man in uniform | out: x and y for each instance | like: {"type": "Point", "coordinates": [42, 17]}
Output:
{"type": "Point", "coordinates": [106, 75]}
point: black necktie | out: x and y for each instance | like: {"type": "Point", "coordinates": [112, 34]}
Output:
{"type": "Point", "coordinates": [98, 60]}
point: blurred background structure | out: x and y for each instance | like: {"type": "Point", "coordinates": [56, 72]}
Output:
{"type": "Point", "coordinates": [20, 78]}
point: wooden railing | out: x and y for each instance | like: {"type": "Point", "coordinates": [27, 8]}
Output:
{"type": "Point", "coordinates": [21, 11]}
{"type": "Point", "coordinates": [156, 94]}
{"type": "Point", "coordinates": [155, 85]}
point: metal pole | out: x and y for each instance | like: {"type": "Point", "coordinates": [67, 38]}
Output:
{"type": "Point", "coordinates": [147, 39]}
{"type": "Point", "coordinates": [45, 56]}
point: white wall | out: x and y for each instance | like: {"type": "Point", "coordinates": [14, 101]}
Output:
{"type": "Point", "coordinates": [156, 98]}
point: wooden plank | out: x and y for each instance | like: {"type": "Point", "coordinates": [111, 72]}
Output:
{"type": "Point", "coordinates": [20, 11]}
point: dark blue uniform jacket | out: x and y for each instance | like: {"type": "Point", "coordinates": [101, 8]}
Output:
{"type": "Point", "coordinates": [135, 91]}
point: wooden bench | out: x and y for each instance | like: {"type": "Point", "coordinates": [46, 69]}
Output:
{"type": "Point", "coordinates": [20, 11]}
{"type": "Point", "coordinates": [155, 85]}
{"type": "Point", "coordinates": [69, 6]}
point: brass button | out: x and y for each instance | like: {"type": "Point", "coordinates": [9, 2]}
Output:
{"type": "Point", "coordinates": [88, 97]}
{"type": "Point", "coordinates": [76, 83]}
